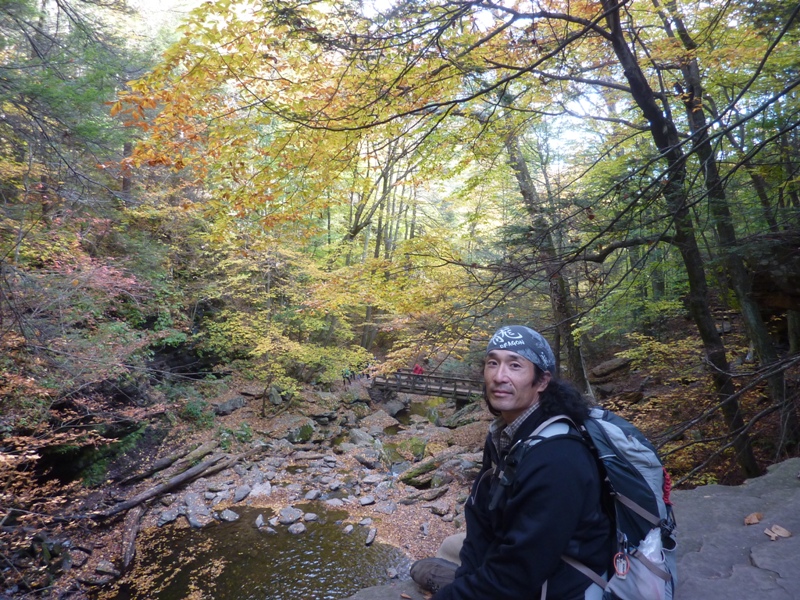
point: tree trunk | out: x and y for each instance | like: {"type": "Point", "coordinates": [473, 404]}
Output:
{"type": "Point", "coordinates": [560, 299]}
{"type": "Point", "coordinates": [739, 277]}
{"type": "Point", "coordinates": [665, 136]}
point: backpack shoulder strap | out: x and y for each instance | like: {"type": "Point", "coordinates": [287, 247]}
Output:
{"type": "Point", "coordinates": [557, 425]}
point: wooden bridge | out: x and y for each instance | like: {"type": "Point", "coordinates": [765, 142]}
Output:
{"type": "Point", "coordinates": [404, 380]}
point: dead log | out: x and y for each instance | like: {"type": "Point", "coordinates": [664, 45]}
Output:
{"type": "Point", "coordinates": [131, 529]}
{"type": "Point", "coordinates": [161, 488]}
{"type": "Point", "coordinates": [233, 460]}
{"type": "Point", "coordinates": [159, 465]}
{"type": "Point", "coordinates": [196, 455]}
{"type": "Point", "coordinates": [213, 465]}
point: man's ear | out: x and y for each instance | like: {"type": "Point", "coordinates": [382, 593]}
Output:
{"type": "Point", "coordinates": [543, 382]}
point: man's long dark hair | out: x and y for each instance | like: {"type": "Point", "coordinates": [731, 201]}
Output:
{"type": "Point", "coordinates": [560, 397]}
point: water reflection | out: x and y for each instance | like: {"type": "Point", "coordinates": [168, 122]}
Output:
{"type": "Point", "coordinates": [237, 561]}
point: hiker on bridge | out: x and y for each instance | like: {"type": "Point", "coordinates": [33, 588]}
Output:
{"type": "Point", "coordinates": [519, 525]}
{"type": "Point", "coordinates": [418, 371]}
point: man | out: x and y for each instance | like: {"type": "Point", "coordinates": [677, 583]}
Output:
{"type": "Point", "coordinates": [518, 528]}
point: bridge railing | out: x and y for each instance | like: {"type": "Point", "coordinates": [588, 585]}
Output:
{"type": "Point", "coordinates": [404, 380]}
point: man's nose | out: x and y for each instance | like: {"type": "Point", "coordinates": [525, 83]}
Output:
{"type": "Point", "coordinates": [500, 373]}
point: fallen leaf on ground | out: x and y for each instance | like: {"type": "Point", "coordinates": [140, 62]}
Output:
{"type": "Point", "coordinates": [405, 596]}
{"type": "Point", "coordinates": [753, 518]}
{"type": "Point", "coordinates": [781, 531]}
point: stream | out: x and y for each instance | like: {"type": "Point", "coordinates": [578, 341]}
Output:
{"type": "Point", "coordinates": [237, 561]}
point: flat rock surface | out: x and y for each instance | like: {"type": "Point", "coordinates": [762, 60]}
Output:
{"type": "Point", "coordinates": [719, 557]}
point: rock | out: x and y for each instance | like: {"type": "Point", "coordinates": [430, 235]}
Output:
{"type": "Point", "coordinates": [469, 414]}
{"type": "Point", "coordinates": [439, 508]}
{"type": "Point", "coordinates": [421, 474]}
{"type": "Point", "coordinates": [294, 429]}
{"type": "Point", "coordinates": [253, 391]}
{"type": "Point", "coordinates": [105, 567]}
{"type": "Point", "coordinates": [359, 437]}
{"type": "Point", "coordinates": [367, 500]}
{"type": "Point", "coordinates": [227, 407]}
{"type": "Point", "coordinates": [348, 529]}
{"type": "Point", "coordinates": [308, 517]}
{"type": "Point", "coordinates": [312, 495]}
{"type": "Point", "coordinates": [371, 534]}
{"type": "Point", "coordinates": [603, 372]}
{"type": "Point", "coordinates": [431, 495]}
{"type": "Point", "coordinates": [197, 513]}
{"type": "Point", "coordinates": [378, 421]}
{"type": "Point", "coordinates": [261, 490]}
{"type": "Point", "coordinates": [383, 490]}
{"type": "Point", "coordinates": [334, 502]}
{"type": "Point", "coordinates": [369, 457]}
{"type": "Point", "coordinates": [441, 478]}
{"type": "Point", "coordinates": [387, 508]}
{"type": "Point", "coordinates": [168, 516]}
{"type": "Point", "coordinates": [365, 522]}
{"type": "Point", "coordinates": [274, 396]}
{"type": "Point", "coordinates": [289, 515]}
{"type": "Point", "coordinates": [297, 528]}
{"type": "Point", "coordinates": [260, 521]}
{"type": "Point", "coordinates": [241, 492]}
{"type": "Point", "coordinates": [373, 479]}
{"type": "Point", "coordinates": [228, 516]}
{"type": "Point", "coordinates": [393, 406]}
{"type": "Point", "coordinates": [309, 456]}
{"type": "Point", "coordinates": [79, 556]}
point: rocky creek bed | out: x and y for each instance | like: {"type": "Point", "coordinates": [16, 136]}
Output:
{"type": "Point", "coordinates": [389, 479]}
{"type": "Point", "coordinates": [396, 482]}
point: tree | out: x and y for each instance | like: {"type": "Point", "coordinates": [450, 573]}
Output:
{"type": "Point", "coordinates": [320, 82]}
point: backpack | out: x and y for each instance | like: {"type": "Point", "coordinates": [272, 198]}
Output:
{"type": "Point", "coordinates": [636, 493]}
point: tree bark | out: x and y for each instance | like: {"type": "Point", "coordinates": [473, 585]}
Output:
{"type": "Point", "coordinates": [665, 136]}
{"type": "Point", "coordinates": [560, 298]}
{"type": "Point", "coordinates": [740, 278]}
{"type": "Point", "coordinates": [133, 521]}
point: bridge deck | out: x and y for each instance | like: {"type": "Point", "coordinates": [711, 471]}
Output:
{"type": "Point", "coordinates": [429, 385]}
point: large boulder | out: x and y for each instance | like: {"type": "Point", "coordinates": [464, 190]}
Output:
{"type": "Point", "coordinates": [296, 429]}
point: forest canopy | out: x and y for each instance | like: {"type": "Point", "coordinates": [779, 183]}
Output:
{"type": "Point", "coordinates": [283, 191]}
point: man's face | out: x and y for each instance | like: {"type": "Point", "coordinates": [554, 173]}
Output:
{"type": "Point", "coordinates": [510, 386]}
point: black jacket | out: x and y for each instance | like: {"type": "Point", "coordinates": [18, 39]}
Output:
{"type": "Point", "coordinates": [553, 507]}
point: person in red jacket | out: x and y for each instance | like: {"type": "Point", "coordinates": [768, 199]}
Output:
{"type": "Point", "coordinates": [519, 528]}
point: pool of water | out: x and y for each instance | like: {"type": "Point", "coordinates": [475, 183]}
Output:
{"type": "Point", "coordinates": [237, 561]}
{"type": "Point", "coordinates": [427, 409]}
